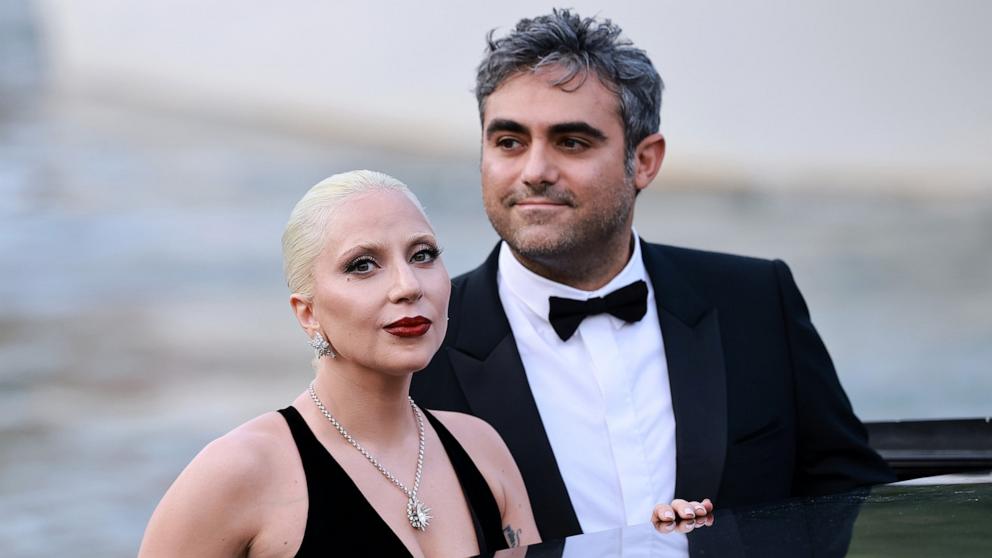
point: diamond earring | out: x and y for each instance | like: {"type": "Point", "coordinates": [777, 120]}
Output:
{"type": "Point", "coordinates": [321, 347]}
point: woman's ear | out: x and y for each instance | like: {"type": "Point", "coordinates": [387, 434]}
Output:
{"type": "Point", "coordinates": [303, 308]}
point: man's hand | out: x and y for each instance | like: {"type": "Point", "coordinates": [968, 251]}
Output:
{"type": "Point", "coordinates": [681, 509]}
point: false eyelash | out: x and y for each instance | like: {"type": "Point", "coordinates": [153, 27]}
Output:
{"type": "Point", "coordinates": [434, 251]}
{"type": "Point", "coordinates": [353, 264]}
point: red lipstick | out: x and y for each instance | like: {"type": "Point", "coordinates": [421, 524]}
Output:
{"type": "Point", "coordinates": [409, 327]}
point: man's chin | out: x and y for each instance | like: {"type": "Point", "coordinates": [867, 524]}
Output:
{"type": "Point", "coordinates": [538, 245]}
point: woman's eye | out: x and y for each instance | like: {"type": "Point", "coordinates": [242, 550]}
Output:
{"type": "Point", "coordinates": [426, 255]}
{"type": "Point", "coordinates": [360, 265]}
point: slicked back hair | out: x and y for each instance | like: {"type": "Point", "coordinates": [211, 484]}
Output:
{"type": "Point", "coordinates": [305, 233]}
{"type": "Point", "coordinates": [579, 46]}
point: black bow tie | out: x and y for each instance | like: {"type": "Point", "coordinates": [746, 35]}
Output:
{"type": "Point", "coordinates": [628, 303]}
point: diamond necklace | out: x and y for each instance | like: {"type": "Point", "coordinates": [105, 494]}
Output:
{"type": "Point", "coordinates": [416, 511]}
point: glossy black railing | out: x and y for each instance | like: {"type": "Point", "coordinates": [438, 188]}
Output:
{"type": "Point", "coordinates": [933, 447]}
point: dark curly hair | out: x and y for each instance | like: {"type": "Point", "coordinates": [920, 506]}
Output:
{"type": "Point", "coordinates": [579, 45]}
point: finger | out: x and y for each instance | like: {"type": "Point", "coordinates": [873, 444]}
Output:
{"type": "Point", "coordinates": [708, 505]}
{"type": "Point", "coordinates": [699, 509]}
{"type": "Point", "coordinates": [683, 509]}
{"type": "Point", "coordinates": [663, 512]}
{"type": "Point", "coordinates": [686, 526]}
{"type": "Point", "coordinates": [664, 527]}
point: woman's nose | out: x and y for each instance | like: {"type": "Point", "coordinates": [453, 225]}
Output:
{"type": "Point", "coordinates": [406, 286]}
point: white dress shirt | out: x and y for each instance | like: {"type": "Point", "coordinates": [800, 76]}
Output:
{"type": "Point", "coordinates": [603, 395]}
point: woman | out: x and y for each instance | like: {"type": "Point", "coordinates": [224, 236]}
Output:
{"type": "Point", "coordinates": [354, 467]}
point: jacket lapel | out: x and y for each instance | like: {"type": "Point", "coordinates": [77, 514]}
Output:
{"type": "Point", "coordinates": [697, 377]}
{"type": "Point", "coordinates": [490, 373]}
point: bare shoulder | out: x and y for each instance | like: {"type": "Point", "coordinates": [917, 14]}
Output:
{"type": "Point", "coordinates": [211, 506]}
{"type": "Point", "coordinates": [477, 436]}
{"type": "Point", "coordinates": [244, 455]}
{"type": "Point", "coordinates": [489, 453]}
{"type": "Point", "coordinates": [464, 423]}
{"type": "Point", "coordinates": [486, 449]}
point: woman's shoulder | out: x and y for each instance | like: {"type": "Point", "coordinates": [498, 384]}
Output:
{"type": "Point", "coordinates": [241, 460]}
{"type": "Point", "coordinates": [493, 459]}
{"type": "Point", "coordinates": [482, 443]}
{"type": "Point", "coordinates": [257, 433]}
{"type": "Point", "coordinates": [211, 505]}
{"type": "Point", "coordinates": [472, 432]}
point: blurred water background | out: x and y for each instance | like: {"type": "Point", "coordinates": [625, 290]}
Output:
{"type": "Point", "coordinates": [143, 310]}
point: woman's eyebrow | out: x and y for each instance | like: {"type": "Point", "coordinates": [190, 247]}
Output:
{"type": "Point", "coordinates": [364, 246]}
{"type": "Point", "coordinates": [421, 238]}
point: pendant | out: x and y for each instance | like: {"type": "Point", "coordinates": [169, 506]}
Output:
{"type": "Point", "coordinates": [418, 513]}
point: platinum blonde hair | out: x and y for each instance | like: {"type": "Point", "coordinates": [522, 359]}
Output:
{"type": "Point", "coordinates": [304, 236]}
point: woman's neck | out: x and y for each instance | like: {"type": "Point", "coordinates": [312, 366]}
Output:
{"type": "Point", "coordinates": [371, 405]}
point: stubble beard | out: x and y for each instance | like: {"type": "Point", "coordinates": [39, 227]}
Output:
{"type": "Point", "coordinates": [569, 251]}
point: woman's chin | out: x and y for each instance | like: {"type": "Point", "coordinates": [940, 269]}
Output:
{"type": "Point", "coordinates": [414, 358]}
{"type": "Point", "coordinates": [419, 364]}
{"type": "Point", "coordinates": [392, 361]}
{"type": "Point", "coordinates": [411, 364]}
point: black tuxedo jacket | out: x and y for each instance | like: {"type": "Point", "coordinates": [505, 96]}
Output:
{"type": "Point", "coordinates": [759, 412]}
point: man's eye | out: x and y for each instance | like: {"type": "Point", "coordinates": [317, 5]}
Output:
{"type": "Point", "coordinates": [508, 143]}
{"type": "Point", "coordinates": [360, 265]}
{"type": "Point", "coordinates": [426, 255]}
{"type": "Point", "coordinates": [573, 144]}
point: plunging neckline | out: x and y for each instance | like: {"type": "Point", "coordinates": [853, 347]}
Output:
{"type": "Point", "coordinates": [351, 486]}
{"type": "Point", "coordinates": [324, 474]}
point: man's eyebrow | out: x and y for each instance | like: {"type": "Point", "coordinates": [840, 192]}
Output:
{"type": "Point", "coordinates": [577, 128]}
{"type": "Point", "coordinates": [504, 125]}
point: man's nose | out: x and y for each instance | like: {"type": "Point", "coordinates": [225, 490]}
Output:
{"type": "Point", "coordinates": [406, 286]}
{"type": "Point", "coordinates": [540, 168]}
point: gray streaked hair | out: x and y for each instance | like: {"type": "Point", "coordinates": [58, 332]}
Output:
{"type": "Point", "coordinates": [579, 45]}
{"type": "Point", "coordinates": [304, 236]}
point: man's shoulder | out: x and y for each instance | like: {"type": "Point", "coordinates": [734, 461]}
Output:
{"type": "Point", "coordinates": [685, 260]}
{"type": "Point", "coordinates": [469, 276]}
{"type": "Point", "coordinates": [705, 260]}
{"type": "Point", "coordinates": [485, 271]}
{"type": "Point", "coordinates": [478, 284]}
{"type": "Point", "coordinates": [717, 277]}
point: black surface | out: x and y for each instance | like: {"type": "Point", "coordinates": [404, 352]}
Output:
{"type": "Point", "coordinates": [894, 520]}
{"type": "Point", "coordinates": [933, 447]}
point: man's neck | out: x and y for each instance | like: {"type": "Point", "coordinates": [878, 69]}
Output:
{"type": "Point", "coordinates": [586, 270]}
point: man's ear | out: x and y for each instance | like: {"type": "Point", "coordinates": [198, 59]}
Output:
{"type": "Point", "coordinates": [647, 160]}
{"type": "Point", "coordinates": [303, 309]}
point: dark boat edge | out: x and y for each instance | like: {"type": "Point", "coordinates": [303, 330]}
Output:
{"type": "Point", "coordinates": [923, 448]}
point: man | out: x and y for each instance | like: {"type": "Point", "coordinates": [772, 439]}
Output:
{"type": "Point", "coordinates": [622, 373]}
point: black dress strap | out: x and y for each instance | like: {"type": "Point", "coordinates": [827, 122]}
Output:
{"type": "Point", "coordinates": [340, 521]}
{"type": "Point", "coordinates": [481, 503]}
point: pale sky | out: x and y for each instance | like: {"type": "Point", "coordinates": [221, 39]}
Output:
{"type": "Point", "coordinates": [769, 92]}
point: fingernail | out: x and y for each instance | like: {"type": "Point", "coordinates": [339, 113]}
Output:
{"type": "Point", "coordinates": [700, 510]}
{"type": "Point", "coordinates": [688, 511]}
{"type": "Point", "coordinates": [668, 514]}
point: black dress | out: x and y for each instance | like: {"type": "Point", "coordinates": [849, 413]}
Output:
{"type": "Point", "coordinates": [341, 522]}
